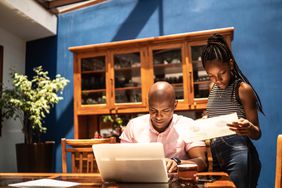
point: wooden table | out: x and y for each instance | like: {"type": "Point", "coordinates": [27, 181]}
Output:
{"type": "Point", "coordinates": [94, 180]}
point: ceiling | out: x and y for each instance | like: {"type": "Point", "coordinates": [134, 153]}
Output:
{"type": "Point", "coordinates": [35, 19]}
{"type": "Point", "coordinates": [62, 6]}
{"type": "Point", "coordinates": [27, 20]}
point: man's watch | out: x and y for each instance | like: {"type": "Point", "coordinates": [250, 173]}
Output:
{"type": "Point", "coordinates": [177, 160]}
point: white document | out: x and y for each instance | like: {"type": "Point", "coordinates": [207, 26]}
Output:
{"type": "Point", "coordinates": [208, 128]}
{"type": "Point", "coordinates": [45, 183]}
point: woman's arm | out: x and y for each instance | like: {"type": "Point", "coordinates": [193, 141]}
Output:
{"type": "Point", "coordinates": [249, 126]}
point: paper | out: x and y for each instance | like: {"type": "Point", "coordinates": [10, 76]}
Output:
{"type": "Point", "coordinates": [45, 183]}
{"type": "Point", "coordinates": [208, 128]}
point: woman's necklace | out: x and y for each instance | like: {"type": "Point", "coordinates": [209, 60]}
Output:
{"type": "Point", "coordinates": [220, 93]}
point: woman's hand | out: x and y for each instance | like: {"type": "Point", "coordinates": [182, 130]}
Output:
{"type": "Point", "coordinates": [242, 127]}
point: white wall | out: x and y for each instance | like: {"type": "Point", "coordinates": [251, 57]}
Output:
{"type": "Point", "coordinates": [14, 58]}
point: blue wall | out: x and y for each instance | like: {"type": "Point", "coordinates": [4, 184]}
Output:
{"type": "Point", "coordinates": [256, 46]}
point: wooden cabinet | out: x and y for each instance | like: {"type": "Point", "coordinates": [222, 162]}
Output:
{"type": "Point", "coordinates": [115, 77]}
{"type": "Point", "coordinates": [109, 80]}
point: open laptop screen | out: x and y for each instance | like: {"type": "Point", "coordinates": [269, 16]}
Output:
{"type": "Point", "coordinates": [131, 162]}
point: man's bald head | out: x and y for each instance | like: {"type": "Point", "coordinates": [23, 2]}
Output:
{"type": "Point", "coordinates": [161, 92]}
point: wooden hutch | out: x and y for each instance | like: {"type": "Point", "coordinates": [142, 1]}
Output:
{"type": "Point", "coordinates": [115, 77]}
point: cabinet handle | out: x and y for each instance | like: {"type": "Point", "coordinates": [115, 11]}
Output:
{"type": "Point", "coordinates": [190, 75]}
{"type": "Point", "coordinates": [112, 90]}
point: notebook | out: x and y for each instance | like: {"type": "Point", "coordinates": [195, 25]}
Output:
{"type": "Point", "coordinates": [131, 162]}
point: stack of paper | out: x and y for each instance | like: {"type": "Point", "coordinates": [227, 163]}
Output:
{"type": "Point", "coordinates": [45, 183]}
{"type": "Point", "coordinates": [208, 128]}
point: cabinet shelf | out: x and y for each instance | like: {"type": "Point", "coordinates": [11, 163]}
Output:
{"type": "Point", "coordinates": [168, 65]}
{"type": "Point", "coordinates": [168, 69]}
{"type": "Point", "coordinates": [93, 91]}
{"type": "Point", "coordinates": [127, 69]}
{"type": "Point", "coordinates": [176, 85]}
{"type": "Point", "coordinates": [202, 82]}
{"type": "Point", "coordinates": [93, 71]}
{"type": "Point", "coordinates": [128, 88]}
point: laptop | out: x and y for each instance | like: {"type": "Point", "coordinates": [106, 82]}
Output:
{"type": "Point", "coordinates": [131, 162]}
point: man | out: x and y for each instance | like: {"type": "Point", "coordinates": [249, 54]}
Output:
{"type": "Point", "coordinates": [162, 125]}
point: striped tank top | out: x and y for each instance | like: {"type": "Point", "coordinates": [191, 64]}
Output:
{"type": "Point", "coordinates": [224, 101]}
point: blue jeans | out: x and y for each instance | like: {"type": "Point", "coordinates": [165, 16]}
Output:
{"type": "Point", "coordinates": [237, 156]}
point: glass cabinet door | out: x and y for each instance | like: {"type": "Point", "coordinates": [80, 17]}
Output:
{"type": "Point", "coordinates": [93, 85]}
{"type": "Point", "coordinates": [127, 73]}
{"type": "Point", "coordinates": [200, 77]}
{"type": "Point", "coordinates": [167, 65]}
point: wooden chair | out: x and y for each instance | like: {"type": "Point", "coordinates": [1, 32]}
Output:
{"type": "Point", "coordinates": [82, 157]}
{"type": "Point", "coordinates": [278, 177]}
{"type": "Point", "coordinates": [209, 155]}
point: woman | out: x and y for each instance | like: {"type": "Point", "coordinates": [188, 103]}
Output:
{"type": "Point", "coordinates": [232, 92]}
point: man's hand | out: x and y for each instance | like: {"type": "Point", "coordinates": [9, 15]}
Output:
{"type": "Point", "coordinates": [171, 165]}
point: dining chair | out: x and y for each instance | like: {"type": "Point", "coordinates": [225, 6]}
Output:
{"type": "Point", "coordinates": [81, 152]}
{"type": "Point", "coordinates": [209, 155]}
{"type": "Point", "coordinates": [278, 177]}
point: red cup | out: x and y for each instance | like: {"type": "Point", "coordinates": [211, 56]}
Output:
{"type": "Point", "coordinates": [187, 172]}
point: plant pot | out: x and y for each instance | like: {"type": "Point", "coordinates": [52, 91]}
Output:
{"type": "Point", "coordinates": [36, 157]}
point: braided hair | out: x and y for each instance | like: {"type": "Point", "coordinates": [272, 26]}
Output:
{"type": "Point", "coordinates": [217, 49]}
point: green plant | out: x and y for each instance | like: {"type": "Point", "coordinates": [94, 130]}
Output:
{"type": "Point", "coordinates": [116, 121]}
{"type": "Point", "coordinates": [31, 100]}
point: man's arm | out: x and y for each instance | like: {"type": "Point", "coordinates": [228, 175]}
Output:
{"type": "Point", "coordinates": [197, 156]}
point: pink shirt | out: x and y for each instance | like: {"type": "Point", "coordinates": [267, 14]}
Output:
{"type": "Point", "coordinates": [140, 130]}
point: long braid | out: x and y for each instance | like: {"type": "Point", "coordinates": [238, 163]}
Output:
{"type": "Point", "coordinates": [218, 49]}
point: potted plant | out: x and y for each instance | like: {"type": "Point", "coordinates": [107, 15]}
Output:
{"type": "Point", "coordinates": [30, 101]}
{"type": "Point", "coordinates": [116, 123]}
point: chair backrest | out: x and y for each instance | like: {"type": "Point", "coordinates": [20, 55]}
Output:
{"type": "Point", "coordinates": [278, 177]}
{"type": "Point", "coordinates": [82, 157]}
{"type": "Point", "coordinates": [209, 155]}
